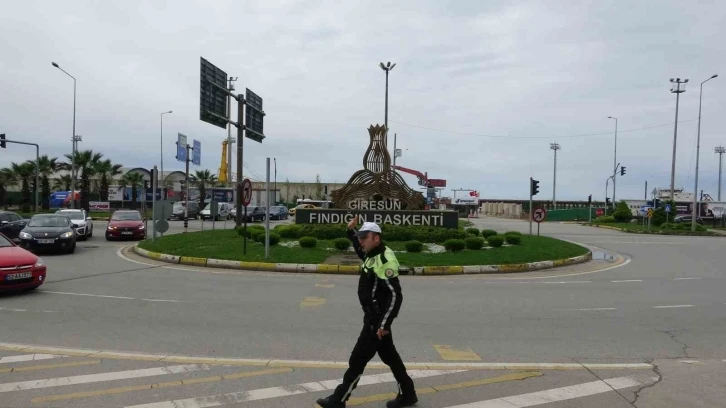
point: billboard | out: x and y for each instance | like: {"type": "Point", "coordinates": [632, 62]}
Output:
{"type": "Point", "coordinates": [212, 100]}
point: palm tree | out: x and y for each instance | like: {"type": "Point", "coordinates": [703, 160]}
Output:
{"type": "Point", "coordinates": [86, 163]}
{"type": "Point", "coordinates": [203, 179]}
{"type": "Point", "coordinates": [62, 183]}
{"type": "Point", "coordinates": [48, 166]}
{"type": "Point", "coordinates": [24, 172]}
{"type": "Point", "coordinates": [133, 180]}
{"type": "Point", "coordinates": [7, 179]}
{"type": "Point", "coordinates": [107, 171]}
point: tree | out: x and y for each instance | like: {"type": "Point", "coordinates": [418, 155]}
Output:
{"type": "Point", "coordinates": [287, 190]}
{"type": "Point", "coordinates": [318, 188]}
{"type": "Point", "coordinates": [86, 164]}
{"type": "Point", "coordinates": [23, 173]}
{"type": "Point", "coordinates": [107, 171]}
{"type": "Point", "coordinates": [623, 213]}
{"type": "Point", "coordinates": [203, 179]}
{"type": "Point", "coordinates": [133, 180]}
{"type": "Point", "coordinates": [48, 166]}
{"type": "Point", "coordinates": [7, 180]}
{"type": "Point", "coordinates": [62, 183]}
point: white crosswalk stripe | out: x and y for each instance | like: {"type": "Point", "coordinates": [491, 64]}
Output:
{"type": "Point", "coordinates": [28, 357]}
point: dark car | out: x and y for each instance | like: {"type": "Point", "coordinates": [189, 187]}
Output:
{"type": "Point", "coordinates": [49, 232]}
{"type": "Point", "coordinates": [687, 218]}
{"type": "Point", "coordinates": [177, 210]}
{"type": "Point", "coordinates": [19, 269]}
{"type": "Point", "coordinates": [278, 213]}
{"type": "Point", "coordinates": [255, 213]}
{"type": "Point", "coordinates": [11, 224]}
{"type": "Point", "coordinates": [126, 224]}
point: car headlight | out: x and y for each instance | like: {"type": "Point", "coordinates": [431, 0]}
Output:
{"type": "Point", "coordinates": [67, 234]}
{"type": "Point", "coordinates": [111, 227]}
{"type": "Point", "coordinates": [25, 235]}
{"type": "Point", "coordinates": [39, 263]}
{"type": "Point", "coordinates": [141, 227]}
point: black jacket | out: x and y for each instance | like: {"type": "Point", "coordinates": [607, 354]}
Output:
{"type": "Point", "coordinates": [379, 297]}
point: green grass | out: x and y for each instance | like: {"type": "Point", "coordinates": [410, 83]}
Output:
{"type": "Point", "coordinates": [643, 229]}
{"type": "Point", "coordinates": [465, 223]}
{"type": "Point", "coordinates": [226, 244]}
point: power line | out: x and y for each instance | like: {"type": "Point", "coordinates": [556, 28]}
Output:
{"type": "Point", "coordinates": [537, 137]}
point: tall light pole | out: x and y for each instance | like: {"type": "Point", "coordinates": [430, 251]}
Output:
{"type": "Point", "coordinates": [615, 156]}
{"type": "Point", "coordinates": [275, 189]}
{"type": "Point", "coordinates": [388, 67]}
{"type": "Point", "coordinates": [555, 147]}
{"type": "Point", "coordinates": [720, 150]}
{"type": "Point", "coordinates": [73, 140]}
{"type": "Point", "coordinates": [678, 90]}
{"type": "Point", "coordinates": [161, 152]}
{"type": "Point", "coordinates": [696, 210]}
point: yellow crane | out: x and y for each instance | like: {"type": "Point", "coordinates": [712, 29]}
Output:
{"type": "Point", "coordinates": [222, 177]}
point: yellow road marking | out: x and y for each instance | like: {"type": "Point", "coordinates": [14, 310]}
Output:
{"type": "Point", "coordinates": [446, 387]}
{"type": "Point", "coordinates": [48, 366]}
{"type": "Point", "coordinates": [323, 285]}
{"type": "Point", "coordinates": [312, 302]}
{"type": "Point", "coordinates": [121, 390]}
{"type": "Point", "coordinates": [451, 354]}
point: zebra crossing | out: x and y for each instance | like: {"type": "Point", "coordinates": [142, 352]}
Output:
{"type": "Point", "coordinates": [58, 380]}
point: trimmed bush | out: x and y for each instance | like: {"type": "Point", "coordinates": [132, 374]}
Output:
{"type": "Point", "coordinates": [289, 231]}
{"type": "Point", "coordinates": [607, 219]}
{"type": "Point", "coordinates": [682, 227]}
{"type": "Point", "coordinates": [513, 239]}
{"type": "Point", "coordinates": [622, 212]}
{"type": "Point", "coordinates": [414, 246]}
{"type": "Point", "coordinates": [341, 243]}
{"type": "Point", "coordinates": [516, 233]}
{"type": "Point", "coordinates": [308, 242]}
{"type": "Point", "coordinates": [473, 231]}
{"type": "Point", "coordinates": [454, 245]}
{"type": "Point", "coordinates": [260, 237]}
{"type": "Point", "coordinates": [390, 232]}
{"type": "Point", "coordinates": [495, 241]}
{"type": "Point", "coordinates": [474, 243]}
{"type": "Point", "coordinates": [250, 230]}
{"type": "Point", "coordinates": [488, 233]}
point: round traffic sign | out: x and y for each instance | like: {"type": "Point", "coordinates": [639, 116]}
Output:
{"type": "Point", "coordinates": [161, 226]}
{"type": "Point", "coordinates": [539, 215]}
{"type": "Point", "coordinates": [246, 192]}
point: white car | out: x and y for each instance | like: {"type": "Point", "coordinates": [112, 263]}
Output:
{"type": "Point", "coordinates": [223, 211]}
{"type": "Point", "coordinates": [82, 223]}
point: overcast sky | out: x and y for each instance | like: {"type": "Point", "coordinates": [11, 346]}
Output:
{"type": "Point", "coordinates": [479, 92]}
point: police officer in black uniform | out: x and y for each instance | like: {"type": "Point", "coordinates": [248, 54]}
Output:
{"type": "Point", "coordinates": [379, 292]}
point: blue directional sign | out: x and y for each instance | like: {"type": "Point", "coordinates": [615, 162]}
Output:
{"type": "Point", "coordinates": [197, 153]}
{"type": "Point", "coordinates": [181, 148]}
{"type": "Point", "coordinates": [645, 208]}
{"type": "Point", "coordinates": [668, 208]}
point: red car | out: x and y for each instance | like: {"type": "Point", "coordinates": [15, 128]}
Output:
{"type": "Point", "coordinates": [19, 269]}
{"type": "Point", "coordinates": [126, 224]}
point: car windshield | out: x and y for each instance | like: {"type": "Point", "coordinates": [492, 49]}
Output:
{"type": "Point", "coordinates": [179, 206]}
{"type": "Point", "coordinates": [74, 215]}
{"type": "Point", "coordinates": [126, 216]}
{"type": "Point", "coordinates": [4, 243]}
{"type": "Point", "coordinates": [45, 221]}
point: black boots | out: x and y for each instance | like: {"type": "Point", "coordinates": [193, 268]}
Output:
{"type": "Point", "coordinates": [328, 402]}
{"type": "Point", "coordinates": [408, 400]}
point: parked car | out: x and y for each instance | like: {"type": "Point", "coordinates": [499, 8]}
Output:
{"type": "Point", "coordinates": [177, 210]}
{"type": "Point", "coordinates": [687, 218]}
{"type": "Point", "coordinates": [255, 213]}
{"type": "Point", "coordinates": [125, 224]}
{"type": "Point", "coordinates": [19, 269]}
{"type": "Point", "coordinates": [224, 211]}
{"type": "Point", "coordinates": [294, 210]}
{"type": "Point", "coordinates": [279, 213]}
{"type": "Point", "coordinates": [52, 232]}
{"type": "Point", "coordinates": [11, 224]}
{"type": "Point", "coordinates": [82, 223]}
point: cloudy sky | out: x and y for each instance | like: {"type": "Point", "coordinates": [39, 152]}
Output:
{"type": "Point", "coordinates": [479, 92]}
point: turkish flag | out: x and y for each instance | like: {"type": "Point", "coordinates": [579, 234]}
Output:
{"type": "Point", "coordinates": [474, 193]}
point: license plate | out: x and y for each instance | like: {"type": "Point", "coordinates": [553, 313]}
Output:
{"type": "Point", "coordinates": [15, 276]}
{"type": "Point", "coordinates": [46, 241]}
{"type": "Point", "coordinates": [127, 233]}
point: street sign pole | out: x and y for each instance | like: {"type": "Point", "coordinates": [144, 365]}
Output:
{"type": "Point", "coordinates": [244, 198]}
{"type": "Point", "coordinates": [531, 210]}
{"type": "Point", "coordinates": [267, 211]}
{"type": "Point", "coordinates": [186, 185]}
{"type": "Point", "coordinates": [153, 204]}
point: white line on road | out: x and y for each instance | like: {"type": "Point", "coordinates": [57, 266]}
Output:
{"type": "Point", "coordinates": [570, 282]}
{"type": "Point", "coordinates": [284, 391]}
{"type": "Point", "coordinates": [94, 378]}
{"type": "Point", "coordinates": [627, 280]}
{"type": "Point", "coordinates": [671, 306]}
{"type": "Point", "coordinates": [162, 300]}
{"type": "Point", "coordinates": [555, 394]}
{"type": "Point", "coordinates": [13, 309]}
{"type": "Point", "coordinates": [698, 277]}
{"type": "Point", "coordinates": [88, 294]}
{"type": "Point", "coordinates": [591, 309]}
{"type": "Point", "coordinates": [28, 357]}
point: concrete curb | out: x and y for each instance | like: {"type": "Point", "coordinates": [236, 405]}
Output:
{"type": "Point", "coordinates": [353, 269]}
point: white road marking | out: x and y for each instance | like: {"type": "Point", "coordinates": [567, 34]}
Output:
{"type": "Point", "coordinates": [671, 306]}
{"type": "Point", "coordinates": [28, 357]}
{"type": "Point", "coordinates": [555, 394]}
{"type": "Point", "coordinates": [284, 391]}
{"type": "Point", "coordinates": [591, 309]}
{"type": "Point", "coordinates": [688, 278]}
{"type": "Point", "coordinates": [162, 300]}
{"type": "Point", "coordinates": [569, 282]}
{"type": "Point", "coordinates": [88, 294]}
{"type": "Point", "coordinates": [94, 378]}
{"type": "Point", "coordinates": [13, 309]}
{"type": "Point", "coordinates": [627, 280]}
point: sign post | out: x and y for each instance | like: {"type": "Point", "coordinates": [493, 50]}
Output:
{"type": "Point", "coordinates": [650, 217]}
{"type": "Point", "coordinates": [244, 200]}
{"type": "Point", "coordinates": [154, 176]}
{"type": "Point", "coordinates": [533, 190]}
{"type": "Point", "coordinates": [539, 215]}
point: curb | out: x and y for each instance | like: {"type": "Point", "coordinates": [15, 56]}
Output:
{"type": "Point", "coordinates": [353, 269]}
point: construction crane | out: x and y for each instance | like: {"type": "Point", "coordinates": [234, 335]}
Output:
{"type": "Point", "coordinates": [222, 177]}
{"type": "Point", "coordinates": [423, 178]}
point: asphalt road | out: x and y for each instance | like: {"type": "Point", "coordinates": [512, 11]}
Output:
{"type": "Point", "coordinates": [660, 307]}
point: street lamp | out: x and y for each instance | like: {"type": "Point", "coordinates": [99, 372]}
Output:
{"type": "Point", "coordinates": [73, 140]}
{"type": "Point", "coordinates": [698, 149]}
{"type": "Point", "coordinates": [678, 90]}
{"type": "Point", "coordinates": [615, 156]}
{"type": "Point", "coordinates": [161, 139]}
{"type": "Point", "coordinates": [720, 150]}
{"type": "Point", "coordinates": [388, 67]}
{"type": "Point", "coordinates": [555, 147]}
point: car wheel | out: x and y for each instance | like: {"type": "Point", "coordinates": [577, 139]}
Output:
{"type": "Point", "coordinates": [90, 233]}
{"type": "Point", "coordinates": [108, 238]}
{"type": "Point", "coordinates": [73, 249]}
{"type": "Point", "coordinates": [263, 218]}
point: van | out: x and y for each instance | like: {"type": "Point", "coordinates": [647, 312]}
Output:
{"type": "Point", "coordinates": [224, 211]}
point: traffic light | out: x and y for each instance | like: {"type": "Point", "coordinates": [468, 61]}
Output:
{"type": "Point", "coordinates": [589, 200]}
{"type": "Point", "coordinates": [146, 184]}
{"type": "Point", "coordinates": [534, 187]}
{"type": "Point", "coordinates": [622, 170]}
{"type": "Point", "coordinates": [607, 201]}
{"type": "Point", "coordinates": [2, 140]}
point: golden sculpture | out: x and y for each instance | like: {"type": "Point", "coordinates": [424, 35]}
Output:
{"type": "Point", "coordinates": [377, 181]}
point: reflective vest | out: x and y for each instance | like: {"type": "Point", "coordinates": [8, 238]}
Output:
{"type": "Point", "coordinates": [384, 265]}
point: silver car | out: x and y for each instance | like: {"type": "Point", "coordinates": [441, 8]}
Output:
{"type": "Point", "coordinates": [82, 223]}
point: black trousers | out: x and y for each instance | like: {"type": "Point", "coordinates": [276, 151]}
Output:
{"type": "Point", "coordinates": [365, 349]}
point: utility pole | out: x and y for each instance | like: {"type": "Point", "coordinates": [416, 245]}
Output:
{"type": "Point", "coordinates": [555, 147]}
{"type": "Point", "coordinates": [698, 151]}
{"type": "Point", "coordinates": [678, 90]}
{"type": "Point", "coordinates": [73, 153]}
{"type": "Point", "coordinates": [720, 150]}
{"type": "Point", "coordinates": [615, 155]}
{"type": "Point", "coordinates": [388, 67]}
{"type": "Point", "coordinates": [275, 188]}
{"type": "Point", "coordinates": [230, 139]}
{"type": "Point", "coordinates": [645, 192]}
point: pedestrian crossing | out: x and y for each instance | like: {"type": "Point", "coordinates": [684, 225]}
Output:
{"type": "Point", "coordinates": [56, 380]}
